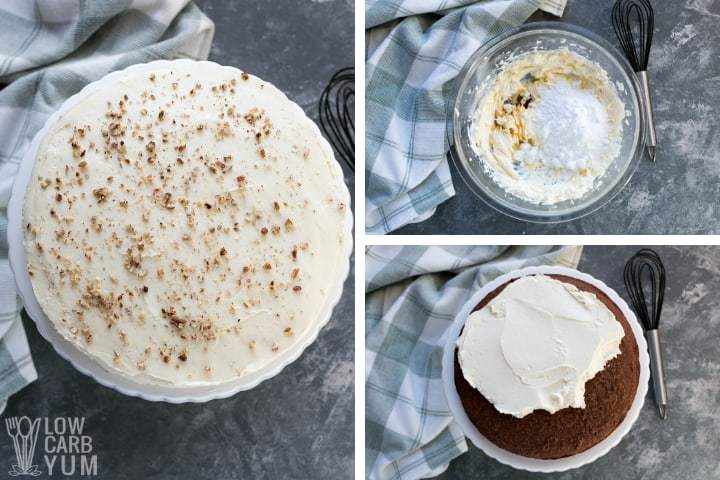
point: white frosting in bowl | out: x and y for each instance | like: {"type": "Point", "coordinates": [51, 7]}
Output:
{"type": "Point", "coordinates": [548, 126]}
{"type": "Point", "coordinates": [190, 231]}
{"type": "Point", "coordinates": [536, 344]}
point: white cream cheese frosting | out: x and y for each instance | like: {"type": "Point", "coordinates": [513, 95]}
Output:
{"type": "Point", "coordinates": [535, 345]}
{"type": "Point", "coordinates": [185, 226]}
{"type": "Point", "coordinates": [548, 126]}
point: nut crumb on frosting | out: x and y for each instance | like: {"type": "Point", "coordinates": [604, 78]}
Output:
{"type": "Point", "coordinates": [101, 194]}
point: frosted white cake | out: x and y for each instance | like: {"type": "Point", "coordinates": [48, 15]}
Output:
{"type": "Point", "coordinates": [185, 226]}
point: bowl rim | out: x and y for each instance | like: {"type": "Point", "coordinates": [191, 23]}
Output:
{"type": "Point", "coordinates": [518, 461]}
{"type": "Point", "coordinates": [92, 367]}
{"type": "Point", "coordinates": [453, 129]}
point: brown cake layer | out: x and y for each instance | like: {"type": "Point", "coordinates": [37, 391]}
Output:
{"type": "Point", "coordinates": [544, 435]}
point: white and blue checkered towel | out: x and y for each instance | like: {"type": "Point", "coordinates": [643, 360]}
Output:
{"type": "Point", "coordinates": [49, 50]}
{"type": "Point", "coordinates": [412, 297]}
{"type": "Point", "coordinates": [415, 49]}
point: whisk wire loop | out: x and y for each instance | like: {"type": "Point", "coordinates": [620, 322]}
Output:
{"type": "Point", "coordinates": [634, 23]}
{"type": "Point", "coordinates": [336, 114]}
{"type": "Point", "coordinates": [646, 263]}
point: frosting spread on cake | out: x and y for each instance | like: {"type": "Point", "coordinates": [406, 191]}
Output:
{"type": "Point", "coordinates": [185, 226]}
{"type": "Point", "coordinates": [535, 345]}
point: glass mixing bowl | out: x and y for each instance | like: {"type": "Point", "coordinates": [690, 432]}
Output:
{"type": "Point", "coordinates": [477, 76]}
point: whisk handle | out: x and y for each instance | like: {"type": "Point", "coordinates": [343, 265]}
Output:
{"type": "Point", "coordinates": [651, 140]}
{"type": "Point", "coordinates": [656, 370]}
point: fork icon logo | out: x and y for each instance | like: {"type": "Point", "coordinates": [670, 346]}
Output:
{"type": "Point", "coordinates": [24, 434]}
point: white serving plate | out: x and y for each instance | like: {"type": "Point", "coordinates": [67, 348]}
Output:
{"type": "Point", "coordinates": [518, 461]}
{"type": "Point", "coordinates": [86, 364]}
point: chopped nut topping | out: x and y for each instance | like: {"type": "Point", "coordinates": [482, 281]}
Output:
{"type": "Point", "coordinates": [166, 200]}
{"type": "Point", "coordinates": [101, 194]}
{"type": "Point", "coordinates": [224, 131]}
{"type": "Point", "coordinates": [171, 315]}
{"type": "Point", "coordinates": [116, 130]}
{"type": "Point", "coordinates": [87, 334]}
{"type": "Point", "coordinates": [132, 263]}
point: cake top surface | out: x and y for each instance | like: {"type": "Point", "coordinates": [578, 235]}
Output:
{"type": "Point", "coordinates": [185, 225]}
{"type": "Point", "coordinates": [536, 344]}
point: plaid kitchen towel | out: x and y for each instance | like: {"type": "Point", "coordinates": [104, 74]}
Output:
{"type": "Point", "coordinates": [412, 296]}
{"type": "Point", "coordinates": [415, 49]}
{"type": "Point", "coordinates": [16, 367]}
{"type": "Point", "coordinates": [49, 49]}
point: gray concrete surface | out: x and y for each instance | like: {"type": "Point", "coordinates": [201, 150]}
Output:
{"type": "Point", "coordinates": [678, 194]}
{"type": "Point", "coordinates": [299, 424]}
{"type": "Point", "coordinates": [687, 445]}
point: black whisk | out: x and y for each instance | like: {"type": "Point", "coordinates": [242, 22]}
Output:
{"type": "Point", "coordinates": [634, 22]}
{"type": "Point", "coordinates": [646, 260]}
{"type": "Point", "coordinates": [336, 112]}
{"type": "Point", "coordinates": [646, 265]}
